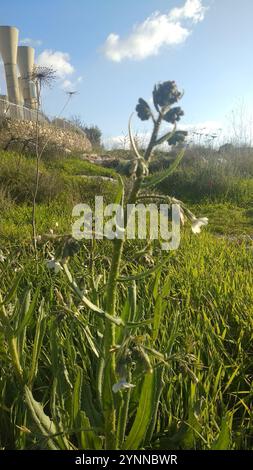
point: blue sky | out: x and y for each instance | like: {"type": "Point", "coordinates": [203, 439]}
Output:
{"type": "Point", "coordinates": [113, 52]}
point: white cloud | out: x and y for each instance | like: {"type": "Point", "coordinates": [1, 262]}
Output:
{"type": "Point", "coordinates": [31, 42]}
{"type": "Point", "coordinates": [59, 61]}
{"type": "Point", "coordinates": [157, 31]}
{"type": "Point", "coordinates": [114, 142]}
{"type": "Point", "coordinates": [192, 9]}
{"type": "Point", "coordinates": [71, 85]}
{"type": "Point", "coordinates": [123, 141]}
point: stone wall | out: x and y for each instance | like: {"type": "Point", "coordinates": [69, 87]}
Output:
{"type": "Point", "coordinates": [18, 135]}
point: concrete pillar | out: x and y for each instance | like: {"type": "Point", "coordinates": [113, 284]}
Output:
{"type": "Point", "coordinates": [8, 50]}
{"type": "Point", "coordinates": [25, 65]}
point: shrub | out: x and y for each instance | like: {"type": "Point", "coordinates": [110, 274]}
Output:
{"type": "Point", "coordinates": [17, 177]}
{"type": "Point", "coordinates": [93, 132]}
{"type": "Point", "coordinates": [212, 183]}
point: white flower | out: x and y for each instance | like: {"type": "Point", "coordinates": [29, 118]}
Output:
{"type": "Point", "coordinates": [177, 204]}
{"type": "Point", "coordinates": [56, 224]}
{"type": "Point", "coordinates": [52, 264]}
{"type": "Point", "coordinates": [39, 238]}
{"type": "Point", "coordinates": [197, 224]}
{"type": "Point", "coordinates": [121, 385]}
{"type": "Point", "coordinates": [51, 231]}
{"type": "Point", "coordinates": [2, 257]}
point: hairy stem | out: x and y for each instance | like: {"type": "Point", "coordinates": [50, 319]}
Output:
{"type": "Point", "coordinates": [154, 135]}
{"type": "Point", "coordinates": [111, 297]}
{"type": "Point", "coordinates": [109, 338]}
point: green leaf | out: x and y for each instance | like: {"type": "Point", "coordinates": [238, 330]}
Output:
{"type": "Point", "coordinates": [42, 422]}
{"type": "Point", "coordinates": [120, 192]}
{"type": "Point", "coordinates": [39, 335]}
{"type": "Point", "coordinates": [192, 430]}
{"type": "Point", "coordinates": [128, 312]}
{"type": "Point", "coordinates": [156, 285]}
{"type": "Point", "coordinates": [158, 179]}
{"type": "Point", "coordinates": [143, 275]}
{"type": "Point", "coordinates": [187, 434]}
{"type": "Point", "coordinates": [94, 308]}
{"type": "Point", "coordinates": [224, 439]}
{"type": "Point", "coordinates": [91, 341]}
{"type": "Point", "coordinates": [76, 399]}
{"type": "Point", "coordinates": [158, 387]}
{"type": "Point", "coordinates": [137, 324]}
{"type": "Point", "coordinates": [13, 290]}
{"type": "Point", "coordinates": [231, 378]}
{"type": "Point", "coordinates": [91, 406]}
{"type": "Point", "coordinates": [88, 437]}
{"type": "Point", "coordinates": [28, 311]}
{"type": "Point", "coordinates": [143, 415]}
{"type": "Point", "coordinates": [157, 317]}
{"type": "Point", "coordinates": [79, 420]}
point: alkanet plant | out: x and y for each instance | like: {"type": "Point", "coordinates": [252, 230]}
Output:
{"type": "Point", "coordinates": [119, 358]}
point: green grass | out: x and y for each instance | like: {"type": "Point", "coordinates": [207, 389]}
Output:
{"type": "Point", "coordinates": [63, 184]}
{"type": "Point", "coordinates": [196, 310]}
{"type": "Point", "coordinates": [227, 218]}
{"type": "Point", "coordinates": [204, 329]}
{"type": "Point", "coordinates": [74, 166]}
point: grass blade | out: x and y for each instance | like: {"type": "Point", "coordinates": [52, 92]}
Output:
{"type": "Point", "coordinates": [143, 415]}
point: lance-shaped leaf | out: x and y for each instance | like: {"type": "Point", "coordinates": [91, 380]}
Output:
{"type": "Point", "coordinates": [42, 422]}
{"type": "Point", "coordinates": [38, 340]}
{"type": "Point", "coordinates": [87, 438]}
{"type": "Point", "coordinates": [28, 311]}
{"type": "Point", "coordinates": [12, 291]}
{"type": "Point", "coordinates": [158, 179]}
{"type": "Point", "coordinates": [143, 275]}
{"type": "Point", "coordinates": [223, 440]}
{"type": "Point", "coordinates": [158, 387]}
{"type": "Point", "coordinates": [143, 416]}
{"type": "Point", "coordinates": [119, 198]}
{"type": "Point", "coordinates": [94, 308]}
